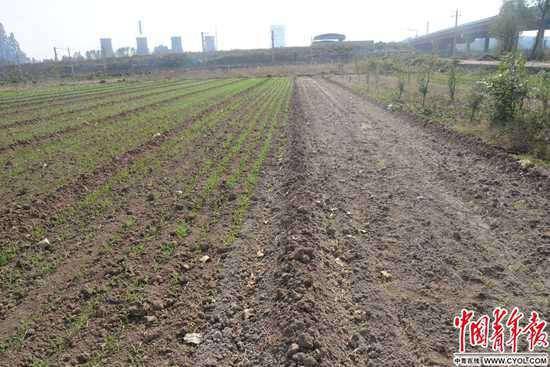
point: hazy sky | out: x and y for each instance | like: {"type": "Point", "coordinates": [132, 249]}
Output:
{"type": "Point", "coordinates": [39, 25]}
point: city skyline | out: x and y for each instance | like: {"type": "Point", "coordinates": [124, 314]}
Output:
{"type": "Point", "coordinates": [40, 26]}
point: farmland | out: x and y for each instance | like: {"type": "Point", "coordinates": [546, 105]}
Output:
{"type": "Point", "coordinates": [132, 176]}
{"type": "Point", "coordinates": [258, 221]}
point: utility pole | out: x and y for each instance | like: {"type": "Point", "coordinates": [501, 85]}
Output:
{"type": "Point", "coordinates": [55, 53]}
{"type": "Point", "coordinates": [272, 47]}
{"type": "Point", "coordinates": [455, 36]}
{"type": "Point", "coordinates": [428, 27]}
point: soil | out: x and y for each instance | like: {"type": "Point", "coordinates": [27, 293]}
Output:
{"type": "Point", "coordinates": [367, 234]}
{"type": "Point", "coordinates": [374, 234]}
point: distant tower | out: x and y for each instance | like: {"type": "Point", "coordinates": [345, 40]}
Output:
{"type": "Point", "coordinates": [106, 48]}
{"type": "Point", "coordinates": [141, 42]}
{"type": "Point", "coordinates": [177, 46]}
{"type": "Point", "coordinates": [208, 42]}
{"type": "Point", "coordinates": [142, 48]}
{"type": "Point", "coordinates": [277, 36]}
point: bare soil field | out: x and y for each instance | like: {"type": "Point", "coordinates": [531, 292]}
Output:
{"type": "Point", "coordinates": [253, 222]}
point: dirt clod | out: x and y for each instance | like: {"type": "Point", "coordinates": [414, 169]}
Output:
{"type": "Point", "coordinates": [193, 338]}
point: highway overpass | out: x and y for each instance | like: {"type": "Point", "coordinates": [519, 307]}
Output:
{"type": "Point", "coordinates": [465, 34]}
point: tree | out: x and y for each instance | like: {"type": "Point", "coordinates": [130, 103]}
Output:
{"type": "Point", "coordinates": [161, 50]}
{"type": "Point", "coordinates": [123, 52]}
{"type": "Point", "coordinates": [542, 8]}
{"type": "Point", "coordinates": [513, 14]}
{"type": "Point", "coordinates": [93, 55]}
{"type": "Point", "coordinates": [10, 51]}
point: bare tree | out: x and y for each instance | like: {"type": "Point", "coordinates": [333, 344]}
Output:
{"type": "Point", "coordinates": [543, 10]}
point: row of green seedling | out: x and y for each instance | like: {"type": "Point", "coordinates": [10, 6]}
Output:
{"type": "Point", "coordinates": [139, 172]}
{"type": "Point", "coordinates": [107, 114]}
{"type": "Point", "coordinates": [105, 197]}
{"type": "Point", "coordinates": [53, 114]}
{"type": "Point", "coordinates": [85, 150]}
{"type": "Point", "coordinates": [243, 201]}
{"type": "Point", "coordinates": [182, 227]}
{"type": "Point", "coordinates": [53, 108]}
{"type": "Point", "coordinates": [76, 90]}
{"type": "Point", "coordinates": [233, 173]}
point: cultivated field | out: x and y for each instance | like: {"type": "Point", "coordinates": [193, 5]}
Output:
{"type": "Point", "coordinates": [111, 192]}
{"type": "Point", "coordinates": [253, 222]}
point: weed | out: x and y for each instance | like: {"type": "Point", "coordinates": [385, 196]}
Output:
{"type": "Point", "coordinates": [136, 355]}
{"type": "Point", "coordinates": [168, 249]}
{"type": "Point", "coordinates": [182, 231]}
{"type": "Point", "coordinates": [129, 223]}
{"type": "Point", "coordinates": [137, 249]}
{"type": "Point", "coordinates": [39, 363]}
{"type": "Point", "coordinates": [38, 233]}
{"type": "Point", "coordinates": [16, 341]}
{"type": "Point", "coordinates": [7, 254]}
{"type": "Point", "coordinates": [111, 344]}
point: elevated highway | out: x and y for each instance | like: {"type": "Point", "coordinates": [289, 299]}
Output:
{"type": "Point", "coordinates": [465, 33]}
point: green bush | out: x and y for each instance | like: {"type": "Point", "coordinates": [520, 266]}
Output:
{"type": "Point", "coordinates": [541, 92]}
{"type": "Point", "coordinates": [507, 90]}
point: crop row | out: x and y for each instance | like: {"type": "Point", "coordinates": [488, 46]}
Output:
{"type": "Point", "coordinates": [93, 204]}
{"type": "Point", "coordinates": [74, 90]}
{"type": "Point", "coordinates": [26, 134]}
{"type": "Point", "coordinates": [48, 112]}
{"type": "Point", "coordinates": [46, 167]}
{"type": "Point", "coordinates": [34, 110]}
{"type": "Point", "coordinates": [204, 228]}
{"type": "Point", "coordinates": [163, 163]}
{"type": "Point", "coordinates": [206, 231]}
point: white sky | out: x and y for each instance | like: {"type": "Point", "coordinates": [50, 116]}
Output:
{"type": "Point", "coordinates": [39, 25]}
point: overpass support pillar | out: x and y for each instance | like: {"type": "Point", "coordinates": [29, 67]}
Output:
{"type": "Point", "coordinates": [435, 47]}
{"type": "Point", "coordinates": [487, 44]}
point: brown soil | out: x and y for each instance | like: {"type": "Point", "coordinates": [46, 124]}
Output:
{"type": "Point", "coordinates": [367, 233]}
{"type": "Point", "coordinates": [453, 222]}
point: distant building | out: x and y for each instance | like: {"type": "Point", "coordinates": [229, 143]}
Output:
{"type": "Point", "coordinates": [106, 47]}
{"type": "Point", "coordinates": [277, 36]}
{"type": "Point", "coordinates": [208, 42]}
{"type": "Point", "coordinates": [177, 46]}
{"type": "Point", "coordinates": [142, 48]}
{"type": "Point", "coordinates": [161, 50]}
{"type": "Point", "coordinates": [329, 38]}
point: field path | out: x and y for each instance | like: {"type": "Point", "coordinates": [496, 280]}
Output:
{"type": "Point", "coordinates": [374, 233]}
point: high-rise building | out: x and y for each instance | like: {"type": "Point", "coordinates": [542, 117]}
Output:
{"type": "Point", "coordinates": [277, 36]}
{"type": "Point", "coordinates": [142, 48]}
{"type": "Point", "coordinates": [208, 42]}
{"type": "Point", "coordinates": [106, 47]}
{"type": "Point", "coordinates": [177, 46]}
